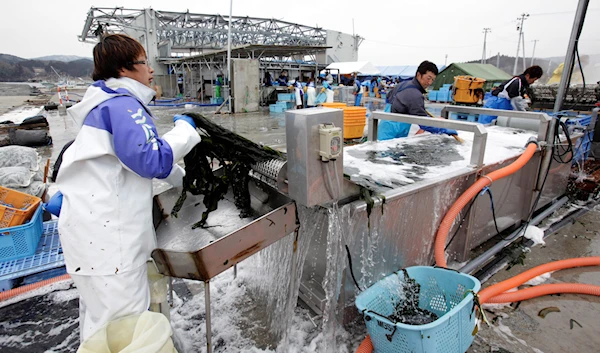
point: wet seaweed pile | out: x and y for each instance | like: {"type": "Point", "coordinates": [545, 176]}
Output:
{"type": "Point", "coordinates": [408, 311]}
{"type": "Point", "coordinates": [421, 154]}
{"type": "Point", "coordinates": [235, 154]}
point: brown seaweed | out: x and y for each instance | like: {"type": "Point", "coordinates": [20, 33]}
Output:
{"type": "Point", "coordinates": [235, 154]}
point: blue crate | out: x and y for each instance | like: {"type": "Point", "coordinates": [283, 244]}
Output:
{"type": "Point", "coordinates": [276, 108]}
{"type": "Point", "coordinates": [432, 96]}
{"type": "Point", "coordinates": [442, 95]}
{"type": "Point", "coordinates": [285, 104]}
{"type": "Point", "coordinates": [48, 255]}
{"type": "Point", "coordinates": [443, 292]}
{"type": "Point", "coordinates": [582, 147]}
{"type": "Point", "coordinates": [21, 241]}
{"type": "Point", "coordinates": [579, 121]}
{"type": "Point", "coordinates": [447, 85]}
{"type": "Point", "coordinates": [216, 100]}
{"type": "Point", "coordinates": [286, 96]}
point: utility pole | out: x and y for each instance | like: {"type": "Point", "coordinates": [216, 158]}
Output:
{"type": "Point", "coordinates": [228, 84]}
{"type": "Point", "coordinates": [485, 32]}
{"type": "Point", "coordinates": [523, 42]}
{"type": "Point", "coordinates": [498, 60]}
{"type": "Point", "coordinates": [446, 60]}
{"type": "Point", "coordinates": [533, 52]}
{"type": "Point", "coordinates": [520, 29]}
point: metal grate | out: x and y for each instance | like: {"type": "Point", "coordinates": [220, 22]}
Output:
{"type": "Point", "coordinates": [47, 256]}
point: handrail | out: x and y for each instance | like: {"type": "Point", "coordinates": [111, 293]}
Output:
{"type": "Point", "coordinates": [543, 118]}
{"type": "Point", "coordinates": [479, 141]}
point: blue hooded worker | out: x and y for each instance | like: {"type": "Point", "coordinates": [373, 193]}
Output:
{"type": "Point", "coordinates": [407, 98]}
{"type": "Point", "coordinates": [105, 178]}
{"type": "Point", "coordinates": [511, 94]}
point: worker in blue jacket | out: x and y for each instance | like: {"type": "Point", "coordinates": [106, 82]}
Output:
{"type": "Point", "coordinates": [511, 94]}
{"type": "Point", "coordinates": [407, 98]}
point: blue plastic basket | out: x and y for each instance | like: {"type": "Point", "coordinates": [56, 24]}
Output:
{"type": "Point", "coordinates": [443, 292]}
{"type": "Point", "coordinates": [286, 96]}
{"type": "Point", "coordinates": [20, 241]}
{"type": "Point", "coordinates": [432, 96]}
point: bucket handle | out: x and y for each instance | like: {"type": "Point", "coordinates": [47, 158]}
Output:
{"type": "Point", "coordinates": [389, 336]}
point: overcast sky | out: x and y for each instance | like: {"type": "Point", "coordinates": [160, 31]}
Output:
{"type": "Point", "coordinates": [397, 32]}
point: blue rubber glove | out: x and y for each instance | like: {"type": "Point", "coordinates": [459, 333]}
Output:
{"type": "Point", "coordinates": [185, 118]}
{"type": "Point", "coordinates": [55, 204]}
{"type": "Point", "coordinates": [450, 132]}
{"type": "Point", "coordinates": [438, 130]}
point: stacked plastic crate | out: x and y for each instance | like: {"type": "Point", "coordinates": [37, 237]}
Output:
{"type": "Point", "coordinates": [284, 102]}
{"type": "Point", "coordinates": [443, 95]}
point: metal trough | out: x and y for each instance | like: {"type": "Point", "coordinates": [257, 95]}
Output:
{"type": "Point", "coordinates": [202, 254]}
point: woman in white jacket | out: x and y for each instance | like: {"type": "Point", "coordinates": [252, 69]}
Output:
{"type": "Point", "coordinates": [106, 176]}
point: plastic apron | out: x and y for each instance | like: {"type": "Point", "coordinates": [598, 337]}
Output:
{"type": "Point", "coordinates": [502, 102]}
{"type": "Point", "coordinates": [388, 130]}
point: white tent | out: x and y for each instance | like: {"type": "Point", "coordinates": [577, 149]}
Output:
{"type": "Point", "coordinates": [362, 67]}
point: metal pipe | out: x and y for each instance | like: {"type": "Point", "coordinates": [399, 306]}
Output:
{"type": "Point", "coordinates": [570, 57]}
{"type": "Point", "coordinates": [486, 256]}
{"type": "Point", "coordinates": [209, 347]}
{"type": "Point", "coordinates": [479, 141]}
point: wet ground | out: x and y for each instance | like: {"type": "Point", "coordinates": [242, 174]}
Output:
{"type": "Point", "coordinates": [575, 327]}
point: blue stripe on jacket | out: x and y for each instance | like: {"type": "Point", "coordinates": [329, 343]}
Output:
{"type": "Point", "coordinates": [135, 138]}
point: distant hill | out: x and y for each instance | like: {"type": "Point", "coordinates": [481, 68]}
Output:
{"type": "Point", "coordinates": [10, 59]}
{"type": "Point", "coordinates": [14, 68]}
{"type": "Point", "coordinates": [63, 58]}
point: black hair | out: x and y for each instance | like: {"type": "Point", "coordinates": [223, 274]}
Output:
{"type": "Point", "coordinates": [113, 53]}
{"type": "Point", "coordinates": [427, 66]}
{"type": "Point", "coordinates": [534, 71]}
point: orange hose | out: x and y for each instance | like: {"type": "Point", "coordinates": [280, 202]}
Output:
{"type": "Point", "coordinates": [546, 289]}
{"type": "Point", "coordinates": [499, 288]}
{"type": "Point", "coordinates": [20, 290]}
{"type": "Point", "coordinates": [366, 346]}
{"type": "Point", "coordinates": [461, 202]}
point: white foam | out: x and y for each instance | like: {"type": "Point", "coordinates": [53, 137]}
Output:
{"type": "Point", "coordinates": [535, 234]}
{"type": "Point", "coordinates": [502, 144]}
{"type": "Point", "coordinates": [539, 279]}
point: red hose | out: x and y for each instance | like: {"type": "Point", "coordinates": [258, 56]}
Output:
{"type": "Point", "coordinates": [24, 289]}
{"type": "Point", "coordinates": [463, 200]}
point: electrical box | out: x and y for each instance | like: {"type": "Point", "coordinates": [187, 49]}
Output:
{"type": "Point", "coordinates": [304, 130]}
{"type": "Point", "coordinates": [331, 141]}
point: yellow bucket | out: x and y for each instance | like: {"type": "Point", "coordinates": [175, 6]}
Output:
{"type": "Point", "coordinates": [468, 82]}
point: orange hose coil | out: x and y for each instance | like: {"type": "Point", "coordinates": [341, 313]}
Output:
{"type": "Point", "coordinates": [496, 293]}
{"type": "Point", "coordinates": [461, 202]}
{"type": "Point", "coordinates": [546, 289]}
{"type": "Point", "coordinates": [366, 346]}
{"type": "Point", "coordinates": [499, 288]}
{"type": "Point", "coordinates": [20, 290]}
